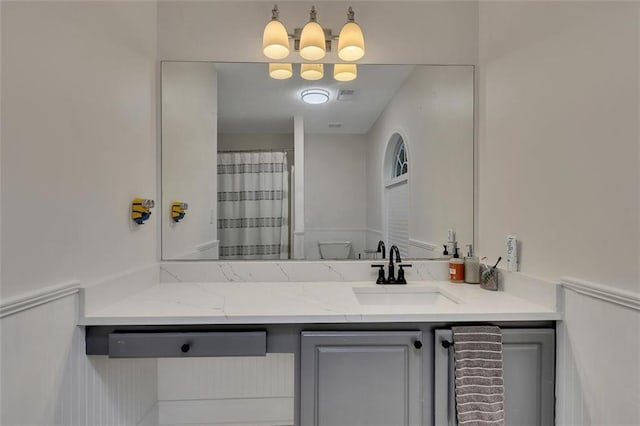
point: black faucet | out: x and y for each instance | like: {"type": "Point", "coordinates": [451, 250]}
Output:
{"type": "Point", "coordinates": [392, 278]}
{"type": "Point", "coordinates": [382, 249]}
{"type": "Point", "coordinates": [392, 274]}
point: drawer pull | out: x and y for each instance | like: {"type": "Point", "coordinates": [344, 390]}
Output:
{"type": "Point", "coordinates": [186, 344]}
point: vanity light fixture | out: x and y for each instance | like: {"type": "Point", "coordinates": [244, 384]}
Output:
{"type": "Point", "coordinates": [275, 39]}
{"type": "Point", "coordinates": [312, 71]}
{"type": "Point", "coordinates": [280, 71]}
{"type": "Point", "coordinates": [312, 41]}
{"type": "Point", "coordinates": [345, 72]}
{"type": "Point", "coordinates": [315, 96]}
{"type": "Point", "coordinates": [351, 39]}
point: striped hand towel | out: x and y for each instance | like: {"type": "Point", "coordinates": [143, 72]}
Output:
{"type": "Point", "coordinates": [479, 382]}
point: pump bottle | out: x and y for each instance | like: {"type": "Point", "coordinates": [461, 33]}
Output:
{"type": "Point", "coordinates": [456, 268]}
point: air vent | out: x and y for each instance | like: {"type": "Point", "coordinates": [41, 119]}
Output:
{"type": "Point", "coordinates": [346, 94]}
{"type": "Point", "coordinates": [335, 125]}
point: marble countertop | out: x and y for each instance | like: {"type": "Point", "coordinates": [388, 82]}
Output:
{"type": "Point", "coordinates": [310, 302]}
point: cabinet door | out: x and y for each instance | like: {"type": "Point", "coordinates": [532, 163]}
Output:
{"type": "Point", "coordinates": [360, 378]}
{"type": "Point", "coordinates": [529, 377]}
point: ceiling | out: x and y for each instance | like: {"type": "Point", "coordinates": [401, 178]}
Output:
{"type": "Point", "coordinates": [249, 101]}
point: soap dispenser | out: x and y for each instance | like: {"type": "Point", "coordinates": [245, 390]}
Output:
{"type": "Point", "coordinates": [471, 267]}
{"type": "Point", "coordinates": [456, 268]}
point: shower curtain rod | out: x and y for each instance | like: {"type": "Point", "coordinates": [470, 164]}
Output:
{"type": "Point", "coordinates": [255, 150]}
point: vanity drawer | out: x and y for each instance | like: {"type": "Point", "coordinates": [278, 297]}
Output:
{"type": "Point", "coordinates": [196, 344]}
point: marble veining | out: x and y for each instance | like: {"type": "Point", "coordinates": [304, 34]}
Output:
{"type": "Point", "coordinates": [306, 302]}
{"type": "Point", "coordinates": [287, 271]}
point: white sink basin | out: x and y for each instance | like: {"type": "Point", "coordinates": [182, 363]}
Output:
{"type": "Point", "coordinates": [402, 296]}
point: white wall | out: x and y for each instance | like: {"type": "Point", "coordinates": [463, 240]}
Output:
{"type": "Point", "coordinates": [335, 200]}
{"type": "Point", "coordinates": [250, 141]}
{"type": "Point", "coordinates": [189, 159]}
{"type": "Point", "coordinates": [78, 135]}
{"type": "Point", "coordinates": [78, 140]}
{"type": "Point", "coordinates": [559, 131]}
{"type": "Point", "coordinates": [433, 111]}
{"type": "Point", "coordinates": [597, 362]}
{"type": "Point", "coordinates": [401, 32]}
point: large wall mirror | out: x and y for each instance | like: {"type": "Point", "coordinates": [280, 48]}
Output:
{"type": "Point", "coordinates": [267, 176]}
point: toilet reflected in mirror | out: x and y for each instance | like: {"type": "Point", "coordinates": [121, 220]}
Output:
{"type": "Point", "coordinates": [336, 250]}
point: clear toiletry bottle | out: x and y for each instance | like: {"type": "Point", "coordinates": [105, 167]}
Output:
{"type": "Point", "coordinates": [471, 267]}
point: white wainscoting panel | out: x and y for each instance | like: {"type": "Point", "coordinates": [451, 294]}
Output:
{"type": "Point", "coordinates": [247, 390]}
{"type": "Point", "coordinates": [231, 411]}
{"type": "Point", "coordinates": [598, 372]}
{"type": "Point", "coordinates": [48, 380]}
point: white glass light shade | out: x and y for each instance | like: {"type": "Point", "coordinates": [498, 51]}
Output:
{"type": "Point", "coordinates": [312, 42]}
{"type": "Point", "coordinates": [350, 42]}
{"type": "Point", "coordinates": [315, 96]}
{"type": "Point", "coordinates": [345, 72]}
{"type": "Point", "coordinates": [280, 71]}
{"type": "Point", "coordinates": [275, 40]}
{"type": "Point", "coordinates": [312, 71]}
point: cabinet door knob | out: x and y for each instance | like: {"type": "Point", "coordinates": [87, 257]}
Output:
{"type": "Point", "coordinates": [417, 344]}
{"type": "Point", "coordinates": [185, 348]}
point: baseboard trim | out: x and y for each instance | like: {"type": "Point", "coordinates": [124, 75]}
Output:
{"type": "Point", "coordinates": [20, 303]}
{"type": "Point", "coordinates": [334, 230]}
{"type": "Point", "coordinates": [603, 292]}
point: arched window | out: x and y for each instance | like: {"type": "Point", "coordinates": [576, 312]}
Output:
{"type": "Point", "coordinates": [396, 194]}
{"type": "Point", "coordinates": [400, 161]}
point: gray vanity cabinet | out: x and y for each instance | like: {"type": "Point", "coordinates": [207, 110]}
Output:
{"type": "Point", "coordinates": [529, 377]}
{"type": "Point", "coordinates": [361, 378]}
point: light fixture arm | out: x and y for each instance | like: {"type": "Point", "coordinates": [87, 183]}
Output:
{"type": "Point", "coordinates": [351, 15]}
{"type": "Point", "coordinates": [275, 12]}
{"type": "Point", "coordinates": [313, 14]}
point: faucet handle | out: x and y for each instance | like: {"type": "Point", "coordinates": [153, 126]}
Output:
{"type": "Point", "coordinates": [401, 279]}
{"type": "Point", "coordinates": [381, 279]}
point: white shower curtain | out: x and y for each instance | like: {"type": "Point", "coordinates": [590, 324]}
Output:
{"type": "Point", "coordinates": [253, 205]}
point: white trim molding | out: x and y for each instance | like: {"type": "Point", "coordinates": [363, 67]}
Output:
{"type": "Point", "coordinates": [423, 244]}
{"type": "Point", "coordinates": [213, 244]}
{"type": "Point", "coordinates": [335, 230]}
{"type": "Point", "coordinates": [603, 292]}
{"type": "Point", "coordinates": [23, 302]}
{"type": "Point", "coordinates": [389, 183]}
{"type": "Point", "coordinates": [374, 231]}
